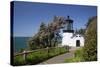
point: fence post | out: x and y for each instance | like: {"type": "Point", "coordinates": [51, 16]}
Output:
{"type": "Point", "coordinates": [59, 50]}
{"type": "Point", "coordinates": [24, 55]}
{"type": "Point", "coordinates": [48, 51]}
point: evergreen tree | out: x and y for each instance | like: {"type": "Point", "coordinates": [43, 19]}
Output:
{"type": "Point", "coordinates": [47, 36]}
{"type": "Point", "coordinates": [90, 48]}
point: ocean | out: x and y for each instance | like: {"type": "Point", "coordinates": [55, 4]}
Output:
{"type": "Point", "coordinates": [20, 43]}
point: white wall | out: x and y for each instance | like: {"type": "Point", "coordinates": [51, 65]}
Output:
{"type": "Point", "coordinates": [67, 40]}
{"type": "Point", "coordinates": [78, 38]}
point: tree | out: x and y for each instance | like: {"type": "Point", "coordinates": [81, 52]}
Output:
{"type": "Point", "coordinates": [80, 31]}
{"type": "Point", "coordinates": [90, 47]}
{"type": "Point", "coordinates": [34, 42]}
{"type": "Point", "coordinates": [43, 34]}
{"type": "Point", "coordinates": [42, 27]}
{"type": "Point", "coordinates": [47, 36]}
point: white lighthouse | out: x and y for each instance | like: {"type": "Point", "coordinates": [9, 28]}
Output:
{"type": "Point", "coordinates": [68, 36]}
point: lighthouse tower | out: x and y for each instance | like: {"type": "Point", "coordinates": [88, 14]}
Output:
{"type": "Point", "coordinates": [67, 31]}
{"type": "Point", "coordinates": [69, 38]}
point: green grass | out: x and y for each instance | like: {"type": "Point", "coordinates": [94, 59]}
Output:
{"type": "Point", "coordinates": [77, 56]}
{"type": "Point", "coordinates": [39, 56]}
{"type": "Point", "coordinates": [19, 61]}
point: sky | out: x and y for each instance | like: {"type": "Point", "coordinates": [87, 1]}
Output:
{"type": "Point", "coordinates": [29, 15]}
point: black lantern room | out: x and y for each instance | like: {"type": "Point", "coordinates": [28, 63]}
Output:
{"type": "Point", "coordinates": [68, 25]}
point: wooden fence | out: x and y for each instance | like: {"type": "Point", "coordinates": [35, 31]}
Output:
{"type": "Point", "coordinates": [25, 53]}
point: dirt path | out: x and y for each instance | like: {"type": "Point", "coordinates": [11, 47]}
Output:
{"type": "Point", "coordinates": [60, 58]}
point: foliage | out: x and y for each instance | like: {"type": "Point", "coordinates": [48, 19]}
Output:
{"type": "Point", "coordinates": [34, 42]}
{"type": "Point", "coordinates": [78, 56]}
{"type": "Point", "coordinates": [19, 61]}
{"type": "Point", "coordinates": [48, 35]}
{"type": "Point", "coordinates": [21, 50]}
{"type": "Point", "coordinates": [39, 56]}
{"type": "Point", "coordinates": [80, 31]}
{"type": "Point", "coordinates": [89, 51]}
{"type": "Point", "coordinates": [90, 48]}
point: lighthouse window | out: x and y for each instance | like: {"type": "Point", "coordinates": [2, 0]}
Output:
{"type": "Point", "coordinates": [76, 36]}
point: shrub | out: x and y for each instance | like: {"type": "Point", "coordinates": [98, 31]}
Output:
{"type": "Point", "coordinates": [39, 56]}
{"type": "Point", "coordinates": [90, 48]}
{"type": "Point", "coordinates": [18, 60]}
{"type": "Point", "coordinates": [77, 56]}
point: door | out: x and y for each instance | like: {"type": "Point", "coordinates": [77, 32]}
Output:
{"type": "Point", "coordinates": [77, 43]}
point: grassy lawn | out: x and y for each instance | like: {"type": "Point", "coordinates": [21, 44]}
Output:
{"type": "Point", "coordinates": [77, 56]}
{"type": "Point", "coordinates": [39, 56]}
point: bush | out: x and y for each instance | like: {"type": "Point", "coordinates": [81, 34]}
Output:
{"type": "Point", "coordinates": [39, 56]}
{"type": "Point", "coordinates": [77, 56]}
{"type": "Point", "coordinates": [90, 48]}
{"type": "Point", "coordinates": [18, 60]}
